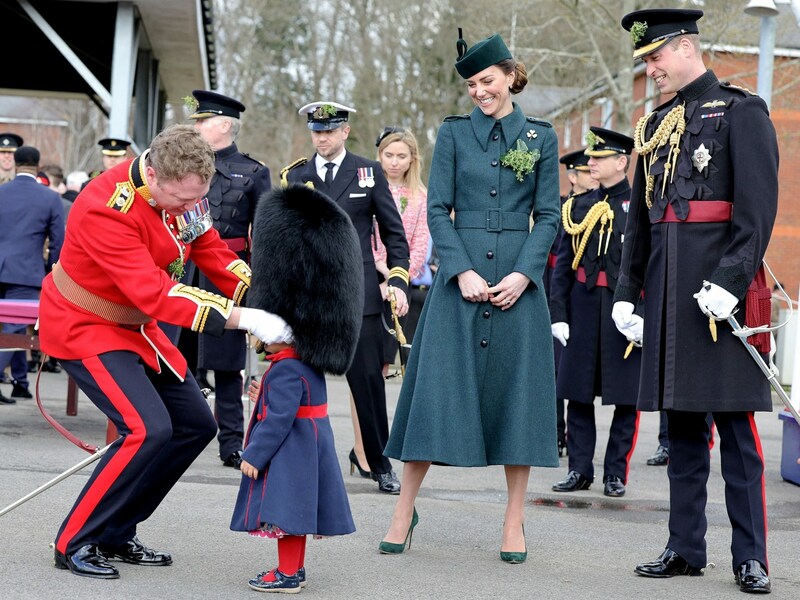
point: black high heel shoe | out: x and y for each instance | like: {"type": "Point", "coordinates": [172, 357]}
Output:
{"type": "Point", "coordinates": [354, 465]}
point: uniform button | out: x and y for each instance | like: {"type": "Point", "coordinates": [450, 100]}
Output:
{"type": "Point", "coordinates": [493, 193]}
{"type": "Point", "coordinates": [495, 137]}
{"type": "Point", "coordinates": [494, 163]}
{"type": "Point", "coordinates": [486, 314]}
{"type": "Point", "coordinates": [490, 255]}
{"type": "Point", "coordinates": [484, 343]}
{"type": "Point", "coordinates": [489, 283]}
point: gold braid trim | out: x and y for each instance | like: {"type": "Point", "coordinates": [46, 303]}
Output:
{"type": "Point", "coordinates": [669, 131]}
{"type": "Point", "coordinates": [600, 211]}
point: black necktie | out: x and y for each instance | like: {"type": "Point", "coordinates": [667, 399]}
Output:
{"type": "Point", "coordinates": [329, 173]}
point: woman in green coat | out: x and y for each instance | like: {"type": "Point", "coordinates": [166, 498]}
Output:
{"type": "Point", "coordinates": [479, 386]}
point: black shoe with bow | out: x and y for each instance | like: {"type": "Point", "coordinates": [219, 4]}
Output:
{"type": "Point", "coordinates": [387, 482]}
{"type": "Point", "coordinates": [659, 458]}
{"type": "Point", "coordinates": [613, 486]}
{"type": "Point", "coordinates": [136, 553]}
{"type": "Point", "coordinates": [751, 577]}
{"type": "Point", "coordinates": [574, 482]}
{"type": "Point", "coordinates": [87, 562]}
{"type": "Point", "coordinates": [669, 564]}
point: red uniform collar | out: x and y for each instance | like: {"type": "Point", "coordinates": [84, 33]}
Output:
{"type": "Point", "coordinates": [285, 353]}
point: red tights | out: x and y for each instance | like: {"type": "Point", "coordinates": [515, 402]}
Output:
{"type": "Point", "coordinates": [291, 555]}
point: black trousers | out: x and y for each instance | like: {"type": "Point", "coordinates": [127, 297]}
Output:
{"type": "Point", "coordinates": [743, 471]}
{"type": "Point", "coordinates": [365, 378]}
{"type": "Point", "coordinates": [582, 438]}
{"type": "Point", "coordinates": [164, 424]}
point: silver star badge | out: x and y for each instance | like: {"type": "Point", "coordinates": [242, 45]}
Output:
{"type": "Point", "coordinates": [701, 157]}
{"type": "Point", "coordinates": [532, 134]}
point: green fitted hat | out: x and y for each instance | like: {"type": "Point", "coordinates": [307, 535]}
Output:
{"type": "Point", "coordinates": [484, 54]}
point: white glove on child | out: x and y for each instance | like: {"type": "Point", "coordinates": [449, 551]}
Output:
{"type": "Point", "coordinates": [715, 301]}
{"type": "Point", "coordinates": [560, 331]}
{"type": "Point", "coordinates": [267, 327]}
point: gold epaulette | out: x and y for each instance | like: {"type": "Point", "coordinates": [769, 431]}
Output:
{"type": "Point", "coordinates": [285, 170]}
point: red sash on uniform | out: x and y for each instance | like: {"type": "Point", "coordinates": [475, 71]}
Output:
{"type": "Point", "coordinates": [758, 300]}
{"type": "Point", "coordinates": [602, 280]}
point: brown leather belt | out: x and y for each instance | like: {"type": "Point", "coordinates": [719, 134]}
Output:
{"type": "Point", "coordinates": [236, 244]}
{"type": "Point", "coordinates": [80, 296]}
{"type": "Point", "coordinates": [602, 279]}
{"type": "Point", "coordinates": [701, 211]}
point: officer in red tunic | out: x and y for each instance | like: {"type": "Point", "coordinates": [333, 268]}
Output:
{"type": "Point", "coordinates": [129, 235]}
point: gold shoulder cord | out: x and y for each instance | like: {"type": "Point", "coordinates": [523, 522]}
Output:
{"type": "Point", "coordinates": [669, 131]}
{"type": "Point", "coordinates": [600, 211]}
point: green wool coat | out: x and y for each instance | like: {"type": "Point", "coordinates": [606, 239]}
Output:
{"type": "Point", "coordinates": [479, 387]}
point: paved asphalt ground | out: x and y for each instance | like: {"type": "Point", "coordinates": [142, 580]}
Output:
{"type": "Point", "coordinates": [580, 545]}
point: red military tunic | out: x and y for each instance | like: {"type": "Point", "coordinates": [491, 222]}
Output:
{"type": "Point", "coordinates": [119, 248]}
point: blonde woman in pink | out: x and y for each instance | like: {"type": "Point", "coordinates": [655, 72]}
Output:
{"type": "Point", "coordinates": [400, 159]}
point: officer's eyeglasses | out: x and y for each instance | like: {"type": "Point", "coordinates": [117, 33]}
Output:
{"type": "Point", "coordinates": [387, 131]}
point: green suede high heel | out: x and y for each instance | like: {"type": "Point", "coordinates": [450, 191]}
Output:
{"type": "Point", "coordinates": [390, 548]}
{"type": "Point", "coordinates": [515, 558]}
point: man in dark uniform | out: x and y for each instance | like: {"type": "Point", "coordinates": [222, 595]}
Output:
{"type": "Point", "coordinates": [9, 142]}
{"type": "Point", "coordinates": [113, 151]}
{"type": "Point", "coordinates": [359, 186]}
{"type": "Point", "coordinates": [237, 185]}
{"type": "Point", "coordinates": [595, 362]}
{"type": "Point", "coordinates": [580, 181]}
{"type": "Point", "coordinates": [704, 203]}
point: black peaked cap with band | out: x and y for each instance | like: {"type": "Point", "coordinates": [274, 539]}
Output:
{"type": "Point", "coordinates": [307, 268]}
{"type": "Point", "coordinates": [325, 115]}
{"type": "Point", "coordinates": [652, 28]}
{"type": "Point", "coordinates": [212, 104]}
{"type": "Point", "coordinates": [9, 142]}
{"type": "Point", "coordinates": [604, 142]}
{"type": "Point", "coordinates": [575, 161]}
{"type": "Point", "coordinates": [113, 146]}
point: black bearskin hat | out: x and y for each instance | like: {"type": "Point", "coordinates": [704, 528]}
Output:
{"type": "Point", "coordinates": [308, 269]}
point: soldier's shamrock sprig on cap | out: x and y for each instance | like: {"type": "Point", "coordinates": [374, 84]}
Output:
{"type": "Point", "coordinates": [651, 29]}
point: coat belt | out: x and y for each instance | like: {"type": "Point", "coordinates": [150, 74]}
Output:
{"type": "Point", "coordinates": [318, 411]}
{"type": "Point", "coordinates": [700, 211]}
{"type": "Point", "coordinates": [108, 310]}
{"type": "Point", "coordinates": [493, 219]}
{"type": "Point", "coordinates": [602, 279]}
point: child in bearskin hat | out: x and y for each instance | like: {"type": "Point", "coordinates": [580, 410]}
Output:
{"type": "Point", "coordinates": [306, 263]}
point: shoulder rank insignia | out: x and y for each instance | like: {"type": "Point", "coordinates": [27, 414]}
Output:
{"type": "Point", "coordinates": [122, 199]}
{"type": "Point", "coordinates": [285, 170]}
{"type": "Point", "coordinates": [714, 104]}
{"type": "Point", "coordinates": [728, 84]}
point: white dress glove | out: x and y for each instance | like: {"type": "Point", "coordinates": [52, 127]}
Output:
{"type": "Point", "coordinates": [635, 330]}
{"type": "Point", "coordinates": [267, 327]}
{"type": "Point", "coordinates": [560, 332]}
{"type": "Point", "coordinates": [715, 301]}
{"type": "Point", "coordinates": [622, 313]}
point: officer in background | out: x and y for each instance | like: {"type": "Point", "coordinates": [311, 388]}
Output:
{"type": "Point", "coordinates": [359, 186]}
{"type": "Point", "coordinates": [9, 142]}
{"type": "Point", "coordinates": [595, 360]}
{"type": "Point", "coordinates": [580, 181]}
{"type": "Point", "coordinates": [703, 207]}
{"type": "Point", "coordinates": [113, 151]}
{"type": "Point", "coordinates": [237, 185]}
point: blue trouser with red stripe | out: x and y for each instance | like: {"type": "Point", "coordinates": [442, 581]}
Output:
{"type": "Point", "coordinates": [743, 471]}
{"type": "Point", "coordinates": [164, 424]}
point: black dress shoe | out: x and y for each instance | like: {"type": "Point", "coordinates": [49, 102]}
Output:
{"type": "Point", "coordinates": [574, 482]}
{"type": "Point", "coordinates": [751, 576]}
{"type": "Point", "coordinates": [88, 562]}
{"type": "Point", "coordinates": [4, 400]}
{"type": "Point", "coordinates": [613, 486]}
{"type": "Point", "coordinates": [234, 460]}
{"type": "Point", "coordinates": [136, 553]}
{"type": "Point", "coordinates": [51, 366]}
{"type": "Point", "coordinates": [669, 564]}
{"type": "Point", "coordinates": [660, 457]}
{"type": "Point", "coordinates": [387, 482]}
{"type": "Point", "coordinates": [20, 391]}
